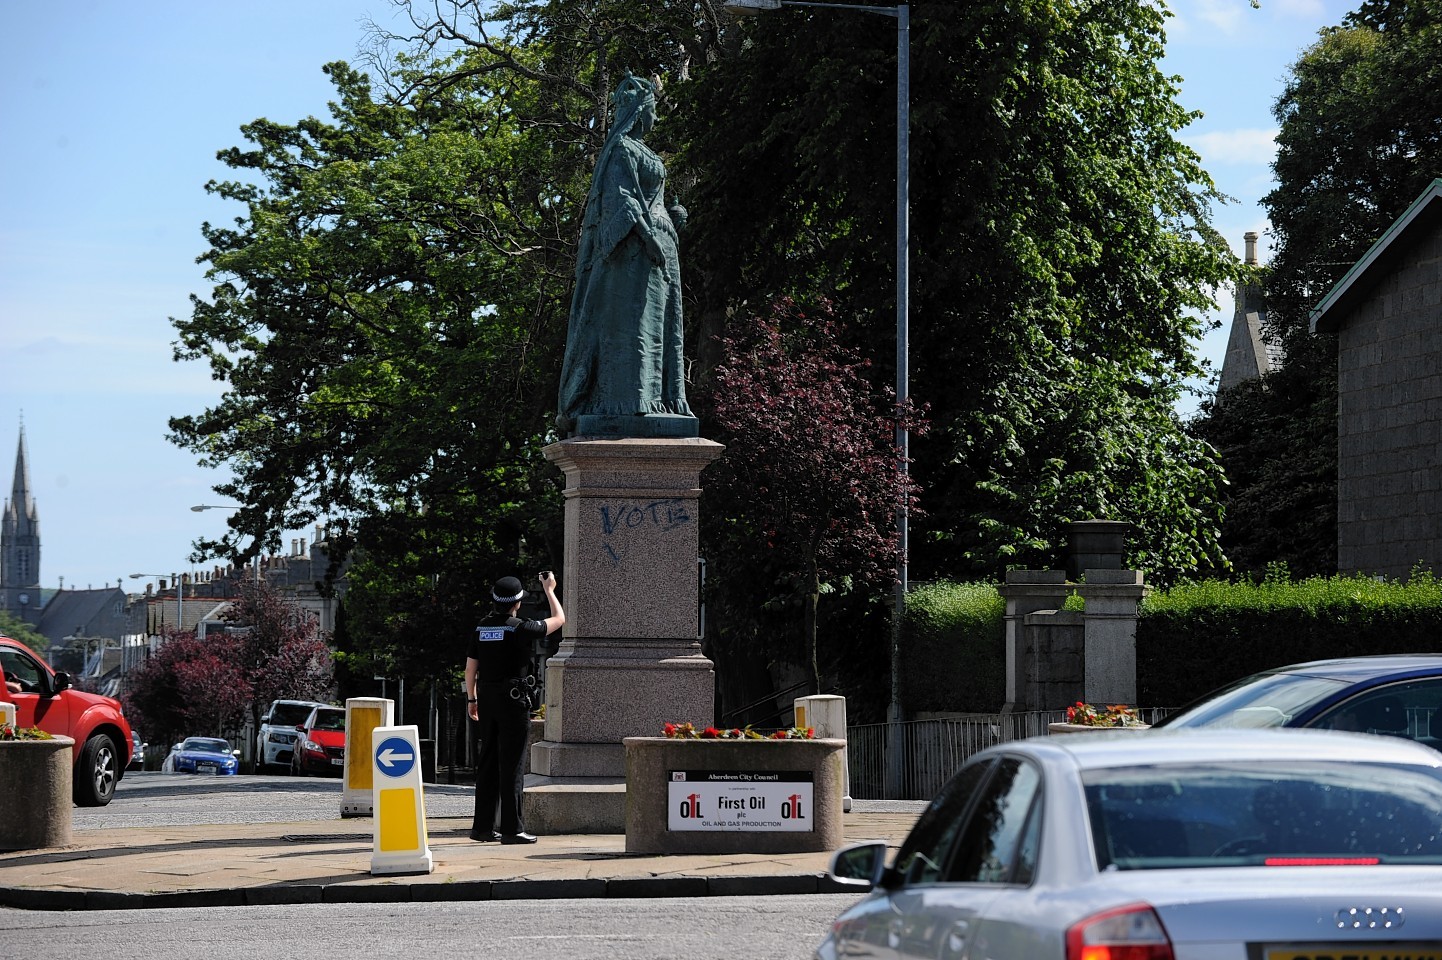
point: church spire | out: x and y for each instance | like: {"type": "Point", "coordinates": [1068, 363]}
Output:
{"type": "Point", "coordinates": [20, 497]}
{"type": "Point", "coordinates": [20, 531]}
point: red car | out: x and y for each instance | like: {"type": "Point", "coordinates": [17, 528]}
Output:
{"type": "Point", "coordinates": [320, 746]}
{"type": "Point", "coordinates": [44, 698]}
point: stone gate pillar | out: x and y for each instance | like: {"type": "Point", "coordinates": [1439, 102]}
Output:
{"type": "Point", "coordinates": [1110, 624]}
{"type": "Point", "coordinates": [1026, 592]}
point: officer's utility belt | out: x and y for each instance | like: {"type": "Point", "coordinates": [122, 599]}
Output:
{"type": "Point", "coordinates": [520, 688]}
{"type": "Point", "coordinates": [517, 688]}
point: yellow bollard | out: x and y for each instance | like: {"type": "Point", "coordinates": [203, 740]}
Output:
{"type": "Point", "coordinates": [362, 716]}
{"type": "Point", "coordinates": [400, 841]}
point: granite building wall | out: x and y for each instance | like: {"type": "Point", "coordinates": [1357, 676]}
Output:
{"type": "Point", "coordinates": [1389, 419]}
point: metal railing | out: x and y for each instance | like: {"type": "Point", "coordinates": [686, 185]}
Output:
{"type": "Point", "coordinates": [933, 750]}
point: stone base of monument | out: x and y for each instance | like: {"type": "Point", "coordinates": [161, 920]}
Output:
{"type": "Point", "coordinates": [630, 661]}
{"type": "Point", "coordinates": [733, 796]}
{"type": "Point", "coordinates": [580, 785]}
{"type": "Point", "coordinates": [557, 805]}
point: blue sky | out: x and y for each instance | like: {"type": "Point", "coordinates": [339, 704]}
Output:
{"type": "Point", "coordinates": [111, 115]}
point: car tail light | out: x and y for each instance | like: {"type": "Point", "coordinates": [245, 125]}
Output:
{"type": "Point", "coordinates": [1126, 933]}
{"type": "Point", "coordinates": [1321, 861]}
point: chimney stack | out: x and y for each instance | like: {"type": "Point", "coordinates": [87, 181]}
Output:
{"type": "Point", "coordinates": [1251, 240]}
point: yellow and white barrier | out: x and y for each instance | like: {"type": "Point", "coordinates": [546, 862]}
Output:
{"type": "Point", "coordinates": [400, 808]}
{"type": "Point", "coordinates": [827, 715]}
{"type": "Point", "coordinates": [362, 716]}
{"type": "Point", "coordinates": [7, 713]}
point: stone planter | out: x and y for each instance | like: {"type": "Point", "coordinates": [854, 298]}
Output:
{"type": "Point", "coordinates": [36, 793]}
{"type": "Point", "coordinates": [1084, 728]}
{"type": "Point", "coordinates": [733, 796]}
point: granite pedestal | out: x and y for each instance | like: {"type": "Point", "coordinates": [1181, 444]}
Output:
{"type": "Point", "coordinates": [630, 658]}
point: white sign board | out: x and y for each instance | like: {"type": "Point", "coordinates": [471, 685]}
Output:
{"type": "Point", "coordinates": [740, 800]}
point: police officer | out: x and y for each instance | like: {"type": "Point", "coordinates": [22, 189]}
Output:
{"type": "Point", "coordinates": [498, 663]}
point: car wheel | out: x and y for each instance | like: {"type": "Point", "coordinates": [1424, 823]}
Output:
{"type": "Point", "coordinates": [96, 772]}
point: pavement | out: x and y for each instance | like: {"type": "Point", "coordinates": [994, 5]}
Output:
{"type": "Point", "coordinates": [319, 858]}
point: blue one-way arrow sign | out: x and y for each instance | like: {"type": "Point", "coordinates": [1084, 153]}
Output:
{"type": "Point", "coordinates": [395, 756]}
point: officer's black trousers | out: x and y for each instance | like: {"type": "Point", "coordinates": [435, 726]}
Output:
{"type": "Point", "coordinates": [504, 730]}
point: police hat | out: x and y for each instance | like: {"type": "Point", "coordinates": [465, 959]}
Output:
{"type": "Point", "coordinates": [507, 590]}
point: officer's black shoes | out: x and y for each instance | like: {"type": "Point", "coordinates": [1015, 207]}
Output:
{"type": "Point", "coordinates": [517, 838]}
{"type": "Point", "coordinates": [490, 837]}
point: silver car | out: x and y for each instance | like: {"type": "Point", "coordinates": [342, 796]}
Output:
{"type": "Point", "coordinates": [1187, 845]}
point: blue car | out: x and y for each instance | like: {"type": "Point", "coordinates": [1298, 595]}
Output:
{"type": "Point", "coordinates": [1396, 695]}
{"type": "Point", "coordinates": [208, 755]}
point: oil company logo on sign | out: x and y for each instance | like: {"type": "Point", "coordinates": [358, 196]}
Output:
{"type": "Point", "coordinates": [740, 800]}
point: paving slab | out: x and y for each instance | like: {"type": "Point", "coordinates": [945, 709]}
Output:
{"type": "Point", "coordinates": [328, 861]}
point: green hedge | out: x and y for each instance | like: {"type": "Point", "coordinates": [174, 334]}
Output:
{"type": "Point", "coordinates": [1191, 639]}
{"type": "Point", "coordinates": [955, 656]}
{"type": "Point", "coordinates": [1196, 637]}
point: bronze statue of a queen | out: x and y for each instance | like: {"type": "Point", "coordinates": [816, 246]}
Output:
{"type": "Point", "coordinates": [624, 373]}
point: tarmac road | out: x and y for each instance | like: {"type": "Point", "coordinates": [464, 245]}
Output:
{"type": "Point", "coordinates": [152, 799]}
{"type": "Point", "coordinates": [705, 928]}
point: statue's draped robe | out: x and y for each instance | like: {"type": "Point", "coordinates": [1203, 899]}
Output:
{"type": "Point", "coordinates": [624, 347]}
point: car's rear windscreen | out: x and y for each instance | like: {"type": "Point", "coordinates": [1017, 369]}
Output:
{"type": "Point", "coordinates": [1282, 814]}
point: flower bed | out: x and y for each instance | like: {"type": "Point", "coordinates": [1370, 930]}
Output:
{"type": "Point", "coordinates": [10, 731]}
{"type": "Point", "coordinates": [1083, 717]}
{"type": "Point", "coordinates": [687, 731]}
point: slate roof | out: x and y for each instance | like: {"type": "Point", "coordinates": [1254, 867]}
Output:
{"type": "Point", "coordinates": [89, 613]}
{"type": "Point", "coordinates": [1248, 355]}
{"type": "Point", "coordinates": [1419, 219]}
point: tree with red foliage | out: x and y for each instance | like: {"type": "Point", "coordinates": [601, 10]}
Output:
{"type": "Point", "coordinates": [281, 650]}
{"type": "Point", "coordinates": [273, 650]}
{"type": "Point", "coordinates": [188, 686]}
{"type": "Point", "coordinates": [212, 686]}
{"type": "Point", "coordinates": [810, 478]}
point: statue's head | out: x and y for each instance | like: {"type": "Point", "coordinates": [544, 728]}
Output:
{"type": "Point", "coordinates": [633, 98]}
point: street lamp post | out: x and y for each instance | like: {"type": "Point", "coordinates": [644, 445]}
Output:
{"type": "Point", "coordinates": [901, 12]}
{"type": "Point", "coordinates": [201, 507]}
{"type": "Point", "coordinates": [179, 596]}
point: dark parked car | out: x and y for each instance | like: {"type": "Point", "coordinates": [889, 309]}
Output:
{"type": "Point", "coordinates": [1392, 694]}
{"type": "Point", "coordinates": [44, 698]}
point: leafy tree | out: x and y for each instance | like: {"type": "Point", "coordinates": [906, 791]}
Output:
{"type": "Point", "coordinates": [381, 317]}
{"type": "Point", "coordinates": [389, 312]}
{"type": "Point", "coordinates": [1276, 438]}
{"type": "Point", "coordinates": [1360, 137]}
{"type": "Point", "coordinates": [808, 487]}
{"type": "Point", "coordinates": [16, 629]}
{"type": "Point", "coordinates": [1060, 250]}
